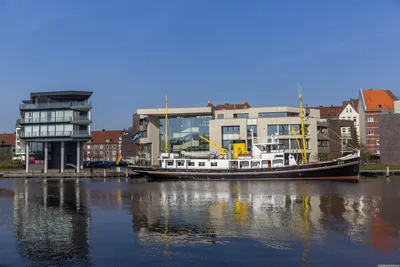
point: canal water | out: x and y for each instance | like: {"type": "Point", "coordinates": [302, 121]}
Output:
{"type": "Point", "coordinates": [125, 223]}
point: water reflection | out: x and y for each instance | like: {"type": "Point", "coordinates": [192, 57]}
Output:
{"type": "Point", "coordinates": [69, 222]}
{"type": "Point", "coordinates": [51, 221]}
{"type": "Point", "coordinates": [275, 214]}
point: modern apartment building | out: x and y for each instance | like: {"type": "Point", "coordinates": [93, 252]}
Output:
{"type": "Point", "coordinates": [222, 125]}
{"type": "Point", "coordinates": [373, 102]}
{"type": "Point", "coordinates": [54, 126]}
{"type": "Point", "coordinates": [104, 145]}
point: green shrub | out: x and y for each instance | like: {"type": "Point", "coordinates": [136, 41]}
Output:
{"type": "Point", "coordinates": [15, 164]}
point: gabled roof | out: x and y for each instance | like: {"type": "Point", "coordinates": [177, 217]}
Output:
{"type": "Point", "coordinates": [100, 137]}
{"type": "Point", "coordinates": [353, 103]}
{"type": "Point", "coordinates": [229, 106]}
{"type": "Point", "coordinates": [7, 139]}
{"type": "Point", "coordinates": [377, 99]}
{"type": "Point", "coordinates": [328, 112]}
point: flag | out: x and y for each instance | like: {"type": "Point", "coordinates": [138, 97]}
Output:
{"type": "Point", "coordinates": [118, 159]}
{"type": "Point", "coordinates": [136, 136]}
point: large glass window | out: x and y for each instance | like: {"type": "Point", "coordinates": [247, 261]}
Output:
{"type": "Point", "coordinates": [283, 129]}
{"type": "Point", "coordinates": [249, 127]}
{"type": "Point", "coordinates": [184, 132]}
{"type": "Point", "coordinates": [272, 129]}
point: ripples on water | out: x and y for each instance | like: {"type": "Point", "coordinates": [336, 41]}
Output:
{"type": "Point", "coordinates": [121, 223]}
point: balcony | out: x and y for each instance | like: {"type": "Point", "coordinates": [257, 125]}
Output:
{"type": "Point", "coordinates": [57, 134]}
{"type": "Point", "coordinates": [77, 105]}
{"type": "Point", "coordinates": [83, 120]}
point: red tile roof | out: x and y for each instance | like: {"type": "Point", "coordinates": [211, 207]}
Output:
{"type": "Point", "coordinates": [100, 137]}
{"type": "Point", "coordinates": [229, 106]}
{"type": "Point", "coordinates": [328, 112]}
{"type": "Point", "coordinates": [378, 99]}
{"type": "Point", "coordinates": [7, 139]}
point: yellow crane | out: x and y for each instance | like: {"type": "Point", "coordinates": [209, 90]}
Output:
{"type": "Point", "coordinates": [223, 150]}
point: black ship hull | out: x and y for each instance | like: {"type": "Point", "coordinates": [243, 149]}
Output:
{"type": "Point", "coordinates": [344, 170]}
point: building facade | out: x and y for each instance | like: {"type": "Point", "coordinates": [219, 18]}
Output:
{"type": "Point", "coordinates": [128, 148]}
{"type": "Point", "coordinates": [7, 146]}
{"type": "Point", "coordinates": [373, 103]}
{"type": "Point", "coordinates": [105, 145]}
{"type": "Point", "coordinates": [53, 128]}
{"type": "Point", "coordinates": [389, 132]}
{"type": "Point", "coordinates": [336, 138]}
{"type": "Point", "coordinates": [350, 112]}
{"type": "Point", "coordinates": [220, 124]}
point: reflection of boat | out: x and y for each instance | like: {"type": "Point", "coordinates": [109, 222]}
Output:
{"type": "Point", "coordinates": [267, 162]}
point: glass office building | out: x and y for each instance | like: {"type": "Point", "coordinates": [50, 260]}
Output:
{"type": "Point", "coordinates": [184, 134]}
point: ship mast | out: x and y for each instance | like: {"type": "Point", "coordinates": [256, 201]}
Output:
{"type": "Point", "coordinates": [166, 124]}
{"type": "Point", "coordinates": [303, 134]}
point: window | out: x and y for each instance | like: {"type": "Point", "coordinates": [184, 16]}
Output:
{"type": "Point", "coordinates": [114, 152]}
{"type": "Point", "coordinates": [180, 163]}
{"type": "Point", "coordinates": [349, 118]}
{"type": "Point", "coordinates": [94, 147]}
{"type": "Point", "coordinates": [170, 163]}
{"type": "Point", "coordinates": [88, 146]}
{"type": "Point", "coordinates": [354, 118]}
{"type": "Point", "coordinates": [370, 119]}
{"type": "Point", "coordinates": [113, 158]}
{"type": "Point", "coordinates": [255, 164]}
{"type": "Point", "coordinates": [377, 142]}
{"type": "Point", "coordinates": [249, 128]}
{"type": "Point", "coordinates": [343, 118]}
{"type": "Point", "coordinates": [244, 163]}
{"type": "Point", "coordinates": [107, 140]}
{"type": "Point", "coordinates": [202, 164]}
{"type": "Point", "coordinates": [101, 147]}
{"type": "Point", "coordinates": [322, 143]}
{"type": "Point", "coordinates": [191, 164]}
{"type": "Point", "coordinates": [241, 115]}
{"type": "Point", "coordinates": [214, 164]}
{"type": "Point", "coordinates": [107, 153]}
{"type": "Point", "coordinates": [344, 129]}
{"type": "Point", "coordinates": [370, 132]}
{"type": "Point", "coordinates": [220, 116]}
{"type": "Point", "coordinates": [347, 110]}
{"type": "Point", "coordinates": [231, 129]}
{"type": "Point", "coordinates": [107, 146]}
{"type": "Point", "coordinates": [114, 146]}
{"type": "Point", "coordinates": [284, 129]}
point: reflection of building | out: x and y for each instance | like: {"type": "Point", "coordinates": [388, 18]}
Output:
{"type": "Point", "coordinates": [51, 221]}
{"type": "Point", "coordinates": [189, 212]}
{"type": "Point", "coordinates": [104, 145]}
{"type": "Point", "coordinates": [372, 104]}
{"type": "Point", "coordinates": [55, 126]}
{"type": "Point", "coordinates": [222, 125]}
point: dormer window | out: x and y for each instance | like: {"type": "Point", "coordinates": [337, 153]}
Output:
{"type": "Point", "coordinates": [107, 140]}
{"type": "Point", "coordinates": [379, 106]}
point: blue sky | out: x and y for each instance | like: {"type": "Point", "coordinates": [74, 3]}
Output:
{"type": "Point", "coordinates": [131, 53]}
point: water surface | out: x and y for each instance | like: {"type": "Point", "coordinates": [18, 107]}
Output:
{"type": "Point", "coordinates": [123, 223]}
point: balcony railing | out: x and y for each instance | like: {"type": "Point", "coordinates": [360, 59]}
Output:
{"type": "Point", "coordinates": [55, 134]}
{"type": "Point", "coordinates": [53, 120]}
{"type": "Point", "coordinates": [55, 105]}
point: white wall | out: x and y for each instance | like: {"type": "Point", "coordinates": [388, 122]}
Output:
{"type": "Point", "coordinates": [349, 113]}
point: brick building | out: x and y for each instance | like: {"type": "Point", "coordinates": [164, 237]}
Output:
{"type": "Point", "coordinates": [373, 103]}
{"type": "Point", "coordinates": [128, 148]}
{"type": "Point", "coordinates": [389, 132]}
{"type": "Point", "coordinates": [7, 145]}
{"type": "Point", "coordinates": [104, 145]}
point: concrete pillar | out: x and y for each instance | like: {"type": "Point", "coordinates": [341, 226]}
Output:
{"type": "Point", "coordinates": [27, 157]}
{"type": "Point", "coordinates": [62, 156]}
{"type": "Point", "coordinates": [78, 156]}
{"type": "Point", "coordinates": [46, 157]}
